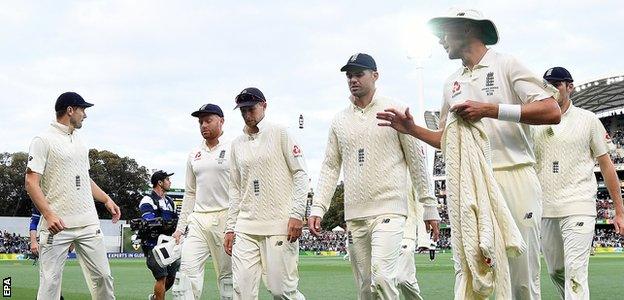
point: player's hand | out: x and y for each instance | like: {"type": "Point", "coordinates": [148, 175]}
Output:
{"type": "Point", "coordinates": [55, 224]}
{"type": "Point", "coordinates": [314, 224]}
{"type": "Point", "coordinates": [228, 242]}
{"type": "Point", "coordinates": [294, 229]}
{"type": "Point", "coordinates": [473, 111]}
{"type": "Point", "coordinates": [113, 209]}
{"type": "Point", "coordinates": [177, 235]}
{"type": "Point", "coordinates": [433, 227]}
{"type": "Point", "coordinates": [618, 222]}
{"type": "Point", "coordinates": [34, 248]}
{"type": "Point", "coordinates": [71, 247]}
{"type": "Point", "coordinates": [401, 122]}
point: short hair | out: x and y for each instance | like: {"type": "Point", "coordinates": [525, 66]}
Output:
{"type": "Point", "coordinates": [61, 113]}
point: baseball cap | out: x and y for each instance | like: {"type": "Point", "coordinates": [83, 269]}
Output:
{"type": "Point", "coordinates": [490, 34]}
{"type": "Point", "coordinates": [159, 175]}
{"type": "Point", "coordinates": [248, 97]}
{"type": "Point", "coordinates": [360, 61]}
{"type": "Point", "coordinates": [68, 99]}
{"type": "Point", "coordinates": [208, 109]}
{"type": "Point", "coordinates": [558, 74]}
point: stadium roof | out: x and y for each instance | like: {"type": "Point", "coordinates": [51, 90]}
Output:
{"type": "Point", "coordinates": [600, 96]}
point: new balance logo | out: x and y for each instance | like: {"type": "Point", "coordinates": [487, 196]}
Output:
{"type": "Point", "coordinates": [580, 224]}
{"type": "Point", "coordinates": [385, 221]}
{"type": "Point", "coordinates": [528, 215]}
{"type": "Point", "coordinates": [279, 243]}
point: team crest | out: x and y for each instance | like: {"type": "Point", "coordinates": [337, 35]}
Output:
{"type": "Point", "coordinates": [296, 151]}
{"type": "Point", "coordinates": [456, 89]}
{"type": "Point", "coordinates": [221, 157]}
{"type": "Point", "coordinates": [490, 87]}
{"type": "Point", "coordinates": [489, 79]}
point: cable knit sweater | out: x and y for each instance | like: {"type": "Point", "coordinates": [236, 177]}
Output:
{"type": "Point", "coordinates": [268, 182]}
{"type": "Point", "coordinates": [63, 162]}
{"type": "Point", "coordinates": [375, 161]}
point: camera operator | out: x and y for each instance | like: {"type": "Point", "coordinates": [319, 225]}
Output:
{"type": "Point", "coordinates": [159, 217]}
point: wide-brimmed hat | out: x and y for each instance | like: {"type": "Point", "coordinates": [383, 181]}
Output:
{"type": "Point", "coordinates": [490, 34]}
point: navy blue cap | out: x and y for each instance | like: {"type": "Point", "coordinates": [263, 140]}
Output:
{"type": "Point", "coordinates": [558, 74]}
{"type": "Point", "coordinates": [208, 109]}
{"type": "Point", "coordinates": [360, 61]}
{"type": "Point", "coordinates": [159, 175]}
{"type": "Point", "coordinates": [68, 99]}
{"type": "Point", "coordinates": [248, 97]}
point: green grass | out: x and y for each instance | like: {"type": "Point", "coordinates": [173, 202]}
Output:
{"type": "Point", "coordinates": [320, 278]}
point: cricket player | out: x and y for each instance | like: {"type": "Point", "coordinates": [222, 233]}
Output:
{"type": "Point", "coordinates": [566, 155]}
{"type": "Point", "coordinates": [507, 97]}
{"type": "Point", "coordinates": [58, 182]}
{"type": "Point", "coordinates": [376, 163]}
{"type": "Point", "coordinates": [204, 209]}
{"type": "Point", "coordinates": [268, 194]}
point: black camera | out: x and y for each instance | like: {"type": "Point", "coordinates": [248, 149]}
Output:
{"type": "Point", "coordinates": [153, 228]}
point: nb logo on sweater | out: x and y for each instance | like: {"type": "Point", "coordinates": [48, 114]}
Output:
{"type": "Point", "coordinates": [385, 221]}
{"type": "Point", "coordinates": [279, 243]}
{"type": "Point", "coordinates": [580, 224]}
{"type": "Point", "coordinates": [528, 215]}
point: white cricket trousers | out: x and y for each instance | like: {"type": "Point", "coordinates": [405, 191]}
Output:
{"type": "Point", "coordinates": [407, 270]}
{"type": "Point", "coordinates": [255, 256]}
{"type": "Point", "coordinates": [89, 243]}
{"type": "Point", "coordinates": [374, 255]}
{"type": "Point", "coordinates": [566, 244]}
{"type": "Point", "coordinates": [523, 194]}
{"type": "Point", "coordinates": [205, 236]}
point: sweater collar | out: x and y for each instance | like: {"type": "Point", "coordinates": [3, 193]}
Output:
{"type": "Point", "coordinates": [262, 125]}
{"type": "Point", "coordinates": [368, 107]}
{"type": "Point", "coordinates": [62, 128]}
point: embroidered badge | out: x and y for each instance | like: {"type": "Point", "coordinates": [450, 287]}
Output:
{"type": "Point", "coordinates": [296, 151]}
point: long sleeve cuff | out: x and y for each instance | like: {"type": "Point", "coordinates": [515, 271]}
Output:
{"type": "Point", "coordinates": [431, 213]}
{"type": "Point", "coordinates": [317, 211]}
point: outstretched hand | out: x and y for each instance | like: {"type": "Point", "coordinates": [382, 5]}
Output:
{"type": "Point", "coordinates": [402, 122]}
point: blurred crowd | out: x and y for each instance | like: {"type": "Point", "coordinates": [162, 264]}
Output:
{"type": "Point", "coordinates": [13, 243]}
{"type": "Point", "coordinates": [328, 241]}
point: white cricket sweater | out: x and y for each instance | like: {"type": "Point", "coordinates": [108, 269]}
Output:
{"type": "Point", "coordinates": [207, 181]}
{"type": "Point", "coordinates": [268, 182]}
{"type": "Point", "coordinates": [376, 161]}
{"type": "Point", "coordinates": [565, 155]}
{"type": "Point", "coordinates": [63, 162]}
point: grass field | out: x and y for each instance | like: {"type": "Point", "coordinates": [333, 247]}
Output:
{"type": "Point", "coordinates": [320, 278]}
